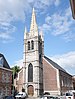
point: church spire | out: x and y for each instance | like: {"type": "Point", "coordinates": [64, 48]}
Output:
{"type": "Point", "coordinates": [33, 27]}
{"type": "Point", "coordinates": [42, 37]}
{"type": "Point", "coordinates": [25, 31]}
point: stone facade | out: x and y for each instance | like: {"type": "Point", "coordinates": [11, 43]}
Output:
{"type": "Point", "coordinates": [33, 57]}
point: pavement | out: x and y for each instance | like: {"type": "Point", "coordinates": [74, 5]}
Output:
{"type": "Point", "coordinates": [33, 98]}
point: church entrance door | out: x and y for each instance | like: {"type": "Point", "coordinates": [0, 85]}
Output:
{"type": "Point", "coordinates": [30, 90]}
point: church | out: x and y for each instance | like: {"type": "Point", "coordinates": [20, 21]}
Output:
{"type": "Point", "coordinates": [40, 74]}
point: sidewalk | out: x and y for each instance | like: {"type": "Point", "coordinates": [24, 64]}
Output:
{"type": "Point", "coordinates": [33, 98]}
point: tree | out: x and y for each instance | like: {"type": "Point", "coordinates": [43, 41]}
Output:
{"type": "Point", "coordinates": [15, 70]}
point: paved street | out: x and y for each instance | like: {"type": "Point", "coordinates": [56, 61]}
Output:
{"type": "Point", "coordinates": [33, 98]}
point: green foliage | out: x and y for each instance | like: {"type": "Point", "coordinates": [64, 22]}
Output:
{"type": "Point", "coordinates": [15, 70]}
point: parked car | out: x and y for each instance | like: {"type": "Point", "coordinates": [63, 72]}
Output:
{"type": "Point", "coordinates": [9, 97]}
{"type": "Point", "coordinates": [49, 97]}
{"type": "Point", "coordinates": [46, 93]}
{"type": "Point", "coordinates": [0, 97]}
{"type": "Point", "coordinates": [68, 95]}
{"type": "Point", "coordinates": [21, 95]}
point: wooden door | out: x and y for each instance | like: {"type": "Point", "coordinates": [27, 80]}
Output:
{"type": "Point", "coordinates": [30, 90]}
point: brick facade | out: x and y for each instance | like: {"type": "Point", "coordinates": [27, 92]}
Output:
{"type": "Point", "coordinates": [49, 77]}
{"type": "Point", "coordinates": [73, 78]}
{"type": "Point", "coordinates": [5, 77]}
{"type": "Point", "coordinates": [56, 81]}
{"type": "Point", "coordinates": [5, 81]}
{"type": "Point", "coordinates": [66, 83]}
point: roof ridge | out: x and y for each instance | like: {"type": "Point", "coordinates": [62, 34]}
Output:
{"type": "Point", "coordinates": [54, 64]}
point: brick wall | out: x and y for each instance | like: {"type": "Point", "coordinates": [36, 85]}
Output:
{"type": "Point", "coordinates": [66, 83]}
{"type": "Point", "coordinates": [5, 81]}
{"type": "Point", "coordinates": [56, 82]}
{"type": "Point", "coordinates": [73, 79]}
{"type": "Point", "coordinates": [49, 77]}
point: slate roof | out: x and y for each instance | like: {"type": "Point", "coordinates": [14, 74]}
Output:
{"type": "Point", "coordinates": [5, 64]}
{"type": "Point", "coordinates": [54, 64]}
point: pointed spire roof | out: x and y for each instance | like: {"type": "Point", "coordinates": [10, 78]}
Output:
{"type": "Point", "coordinates": [42, 37]}
{"type": "Point", "coordinates": [25, 31]}
{"type": "Point", "coordinates": [33, 27]}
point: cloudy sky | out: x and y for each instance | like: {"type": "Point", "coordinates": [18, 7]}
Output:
{"type": "Point", "coordinates": [54, 17]}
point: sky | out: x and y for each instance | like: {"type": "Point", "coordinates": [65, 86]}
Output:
{"type": "Point", "coordinates": [54, 18]}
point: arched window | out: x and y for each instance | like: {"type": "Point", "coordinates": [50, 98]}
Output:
{"type": "Point", "coordinates": [30, 73]}
{"type": "Point", "coordinates": [28, 45]}
{"type": "Point", "coordinates": [32, 44]}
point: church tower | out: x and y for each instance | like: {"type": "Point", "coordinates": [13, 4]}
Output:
{"type": "Point", "coordinates": [33, 53]}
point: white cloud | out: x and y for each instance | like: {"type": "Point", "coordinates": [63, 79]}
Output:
{"type": "Point", "coordinates": [57, 2]}
{"type": "Point", "coordinates": [6, 30]}
{"type": "Point", "coordinates": [60, 24]}
{"type": "Point", "coordinates": [67, 61]}
{"type": "Point", "coordinates": [18, 63]}
{"type": "Point", "coordinates": [10, 11]}
{"type": "Point", "coordinates": [69, 36]}
{"type": "Point", "coordinates": [4, 35]}
{"type": "Point", "coordinates": [14, 10]}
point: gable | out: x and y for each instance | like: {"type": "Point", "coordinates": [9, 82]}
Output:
{"type": "Point", "coordinates": [3, 62]}
{"type": "Point", "coordinates": [55, 65]}
{"type": "Point", "coordinates": [49, 76]}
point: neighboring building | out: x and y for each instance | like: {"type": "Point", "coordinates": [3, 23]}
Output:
{"type": "Point", "coordinates": [40, 74]}
{"type": "Point", "coordinates": [5, 77]}
{"type": "Point", "coordinates": [72, 2]}
{"type": "Point", "coordinates": [73, 82]}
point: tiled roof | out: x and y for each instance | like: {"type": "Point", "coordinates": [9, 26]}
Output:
{"type": "Point", "coordinates": [54, 64]}
{"type": "Point", "coordinates": [4, 63]}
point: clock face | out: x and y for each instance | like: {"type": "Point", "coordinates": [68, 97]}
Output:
{"type": "Point", "coordinates": [1, 61]}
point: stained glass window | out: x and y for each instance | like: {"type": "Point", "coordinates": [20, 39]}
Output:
{"type": "Point", "coordinates": [30, 73]}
